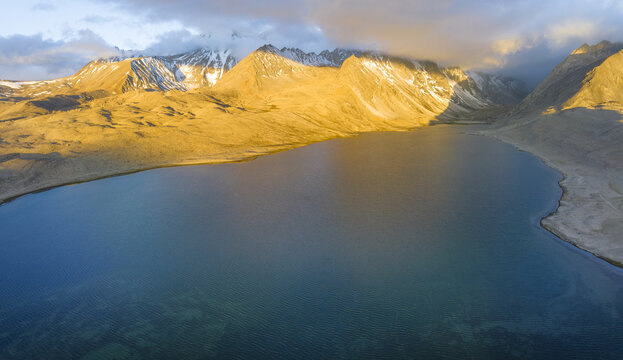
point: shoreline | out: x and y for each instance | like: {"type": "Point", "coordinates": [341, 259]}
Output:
{"type": "Point", "coordinates": [553, 230]}
{"type": "Point", "coordinates": [215, 161]}
{"type": "Point", "coordinates": [556, 232]}
{"type": "Point", "coordinates": [547, 222]}
{"type": "Point", "coordinates": [551, 222]}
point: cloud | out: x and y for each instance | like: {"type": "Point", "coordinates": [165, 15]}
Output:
{"type": "Point", "coordinates": [242, 40]}
{"type": "Point", "coordinates": [43, 6]}
{"type": "Point", "coordinates": [471, 33]}
{"type": "Point", "coordinates": [572, 31]}
{"type": "Point", "coordinates": [35, 58]}
{"type": "Point", "coordinates": [97, 19]}
{"type": "Point", "coordinates": [498, 35]}
{"type": "Point", "coordinates": [509, 45]}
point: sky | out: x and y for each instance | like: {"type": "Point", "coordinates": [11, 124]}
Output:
{"type": "Point", "coordinates": [42, 39]}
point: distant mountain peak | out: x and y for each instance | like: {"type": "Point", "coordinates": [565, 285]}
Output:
{"type": "Point", "coordinates": [331, 58]}
{"type": "Point", "coordinates": [268, 48]}
{"type": "Point", "coordinates": [204, 67]}
{"type": "Point", "coordinates": [587, 55]}
{"type": "Point", "coordinates": [573, 81]}
{"type": "Point", "coordinates": [211, 58]}
{"type": "Point", "coordinates": [588, 49]}
{"type": "Point", "coordinates": [184, 71]}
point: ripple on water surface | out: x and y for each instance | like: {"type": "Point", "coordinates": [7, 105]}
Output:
{"type": "Point", "coordinates": [388, 245]}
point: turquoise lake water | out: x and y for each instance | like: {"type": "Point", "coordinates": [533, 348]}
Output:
{"type": "Point", "coordinates": [421, 245]}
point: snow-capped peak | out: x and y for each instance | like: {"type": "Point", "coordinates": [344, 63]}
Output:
{"type": "Point", "coordinates": [184, 71]}
{"type": "Point", "coordinates": [333, 58]}
{"type": "Point", "coordinates": [221, 59]}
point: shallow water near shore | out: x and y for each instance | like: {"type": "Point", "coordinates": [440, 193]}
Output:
{"type": "Point", "coordinates": [389, 245]}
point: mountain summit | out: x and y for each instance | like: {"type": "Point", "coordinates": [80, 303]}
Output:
{"type": "Point", "coordinates": [575, 75]}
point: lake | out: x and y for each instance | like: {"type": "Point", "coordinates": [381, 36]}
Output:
{"type": "Point", "coordinates": [422, 245]}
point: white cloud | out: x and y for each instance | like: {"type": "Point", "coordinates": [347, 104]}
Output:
{"type": "Point", "coordinates": [497, 34]}
{"type": "Point", "coordinates": [34, 58]}
{"type": "Point", "coordinates": [572, 31]}
{"type": "Point", "coordinates": [508, 45]}
{"type": "Point", "coordinates": [472, 33]}
{"type": "Point", "coordinates": [43, 6]}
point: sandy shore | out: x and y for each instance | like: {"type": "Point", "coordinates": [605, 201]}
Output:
{"type": "Point", "coordinates": [585, 146]}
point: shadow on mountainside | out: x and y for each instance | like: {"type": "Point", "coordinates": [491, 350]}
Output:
{"type": "Point", "coordinates": [565, 81]}
{"type": "Point", "coordinates": [460, 111]}
{"type": "Point", "coordinates": [58, 102]}
{"type": "Point", "coordinates": [593, 137]}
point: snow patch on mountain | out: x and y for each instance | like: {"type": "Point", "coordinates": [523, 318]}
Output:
{"type": "Point", "coordinates": [15, 84]}
{"type": "Point", "coordinates": [499, 89]}
{"type": "Point", "coordinates": [185, 71]}
{"type": "Point", "coordinates": [333, 58]}
{"type": "Point", "coordinates": [206, 67]}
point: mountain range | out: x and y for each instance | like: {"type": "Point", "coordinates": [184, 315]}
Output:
{"type": "Point", "coordinates": [203, 68]}
{"type": "Point", "coordinates": [125, 114]}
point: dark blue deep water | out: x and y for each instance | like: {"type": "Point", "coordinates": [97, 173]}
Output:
{"type": "Point", "coordinates": [422, 245]}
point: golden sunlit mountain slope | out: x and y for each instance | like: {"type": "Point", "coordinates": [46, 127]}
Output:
{"type": "Point", "coordinates": [200, 68]}
{"type": "Point", "coordinates": [573, 120]}
{"type": "Point", "coordinates": [117, 116]}
{"type": "Point", "coordinates": [571, 77]}
{"type": "Point", "coordinates": [383, 89]}
{"type": "Point", "coordinates": [602, 87]}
